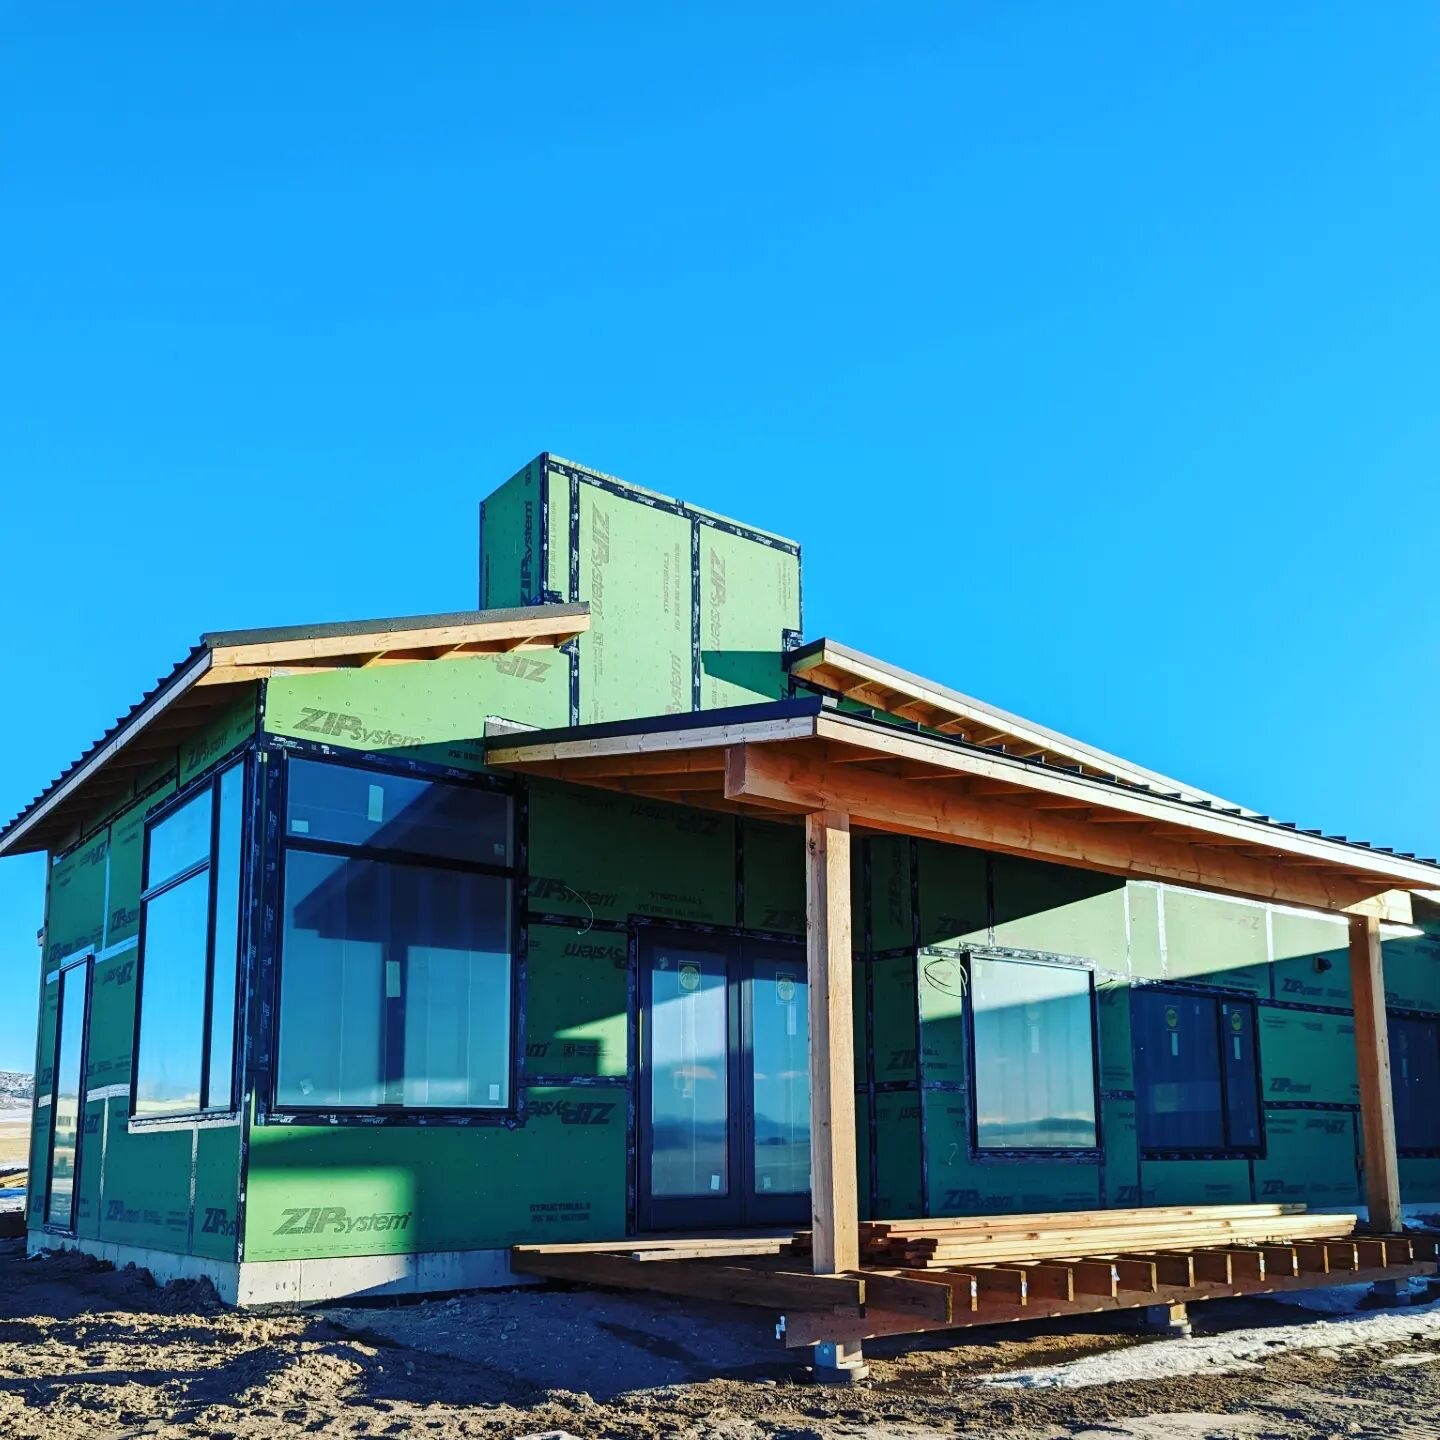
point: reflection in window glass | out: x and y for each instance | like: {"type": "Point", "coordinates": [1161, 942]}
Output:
{"type": "Point", "coordinates": [227, 942]}
{"type": "Point", "coordinates": [349, 806]}
{"type": "Point", "coordinates": [1196, 1075]}
{"type": "Point", "coordinates": [1034, 1056]}
{"type": "Point", "coordinates": [780, 1026]}
{"type": "Point", "coordinates": [190, 932]}
{"type": "Point", "coordinates": [172, 1000]}
{"type": "Point", "coordinates": [1241, 1070]}
{"type": "Point", "coordinates": [1415, 1082]}
{"type": "Point", "coordinates": [66, 1105]}
{"type": "Point", "coordinates": [395, 986]}
{"type": "Point", "coordinates": [689, 1071]}
{"type": "Point", "coordinates": [180, 840]}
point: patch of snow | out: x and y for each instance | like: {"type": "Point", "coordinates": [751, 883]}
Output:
{"type": "Point", "coordinates": [1408, 1359]}
{"type": "Point", "coordinates": [1235, 1350]}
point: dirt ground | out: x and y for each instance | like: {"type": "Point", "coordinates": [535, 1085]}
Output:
{"type": "Point", "coordinates": [14, 1139]}
{"type": "Point", "coordinates": [87, 1351]}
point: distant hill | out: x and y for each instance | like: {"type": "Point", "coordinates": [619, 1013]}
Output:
{"type": "Point", "coordinates": [16, 1090]}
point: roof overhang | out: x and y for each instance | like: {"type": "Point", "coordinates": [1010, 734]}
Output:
{"type": "Point", "coordinates": [793, 757]}
{"type": "Point", "coordinates": [211, 677]}
{"type": "Point", "coordinates": [838, 670]}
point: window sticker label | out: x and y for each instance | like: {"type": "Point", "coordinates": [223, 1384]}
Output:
{"type": "Point", "coordinates": [689, 977]}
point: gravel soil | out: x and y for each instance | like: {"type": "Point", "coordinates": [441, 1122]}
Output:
{"type": "Point", "coordinates": [88, 1351]}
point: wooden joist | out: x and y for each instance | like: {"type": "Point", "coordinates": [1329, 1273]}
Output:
{"type": "Point", "coordinates": [805, 1329]}
{"type": "Point", "coordinates": [699, 1279]}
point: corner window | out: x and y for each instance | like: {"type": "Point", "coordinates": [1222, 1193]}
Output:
{"type": "Point", "coordinates": [1034, 1042]}
{"type": "Point", "coordinates": [395, 967]}
{"type": "Point", "coordinates": [190, 953]}
{"type": "Point", "coordinates": [1197, 1081]}
{"type": "Point", "coordinates": [1415, 1082]}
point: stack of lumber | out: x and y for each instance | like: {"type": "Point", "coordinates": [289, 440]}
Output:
{"type": "Point", "coordinates": [1000, 1239]}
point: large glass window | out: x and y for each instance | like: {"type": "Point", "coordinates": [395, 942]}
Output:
{"type": "Point", "coordinates": [395, 971]}
{"type": "Point", "coordinates": [1034, 1041]}
{"type": "Point", "coordinates": [1415, 1082]}
{"type": "Point", "coordinates": [1197, 1085]}
{"type": "Point", "coordinates": [190, 953]}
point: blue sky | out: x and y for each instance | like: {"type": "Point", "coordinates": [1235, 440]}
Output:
{"type": "Point", "coordinates": [1090, 351]}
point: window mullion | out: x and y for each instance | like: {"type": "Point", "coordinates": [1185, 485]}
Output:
{"type": "Point", "coordinates": [208, 1010]}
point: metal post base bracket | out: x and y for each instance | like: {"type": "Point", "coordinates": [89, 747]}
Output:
{"type": "Point", "coordinates": [839, 1363]}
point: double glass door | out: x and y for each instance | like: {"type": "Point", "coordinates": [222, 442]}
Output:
{"type": "Point", "coordinates": [724, 1084]}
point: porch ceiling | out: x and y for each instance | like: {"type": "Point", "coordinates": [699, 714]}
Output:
{"type": "Point", "coordinates": [793, 757]}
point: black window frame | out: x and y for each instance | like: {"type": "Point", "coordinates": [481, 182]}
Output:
{"type": "Point", "coordinates": [1432, 1023]}
{"type": "Point", "coordinates": [1082, 1154]}
{"type": "Point", "coordinates": [514, 873]}
{"type": "Point", "coordinates": [1219, 999]}
{"type": "Point", "coordinates": [210, 781]}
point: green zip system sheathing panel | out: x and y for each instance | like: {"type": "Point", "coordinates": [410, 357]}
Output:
{"type": "Point", "coordinates": [367, 1191]}
{"type": "Point", "coordinates": [434, 712]}
{"type": "Point", "coordinates": [509, 542]}
{"type": "Point", "coordinates": [596, 855]}
{"type": "Point", "coordinates": [745, 589]}
{"type": "Point", "coordinates": [774, 877]}
{"type": "Point", "coordinates": [576, 1018]}
{"type": "Point", "coordinates": [689, 610]}
{"type": "Point", "coordinates": [1215, 942]}
{"type": "Point", "coordinates": [634, 570]}
{"type": "Point", "coordinates": [1311, 1158]}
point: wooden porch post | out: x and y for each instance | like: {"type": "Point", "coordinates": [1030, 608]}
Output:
{"type": "Point", "coordinates": [834, 1212]}
{"type": "Point", "coordinates": [1372, 1054]}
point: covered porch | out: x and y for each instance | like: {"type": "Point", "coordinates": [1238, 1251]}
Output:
{"type": "Point", "coordinates": [840, 775]}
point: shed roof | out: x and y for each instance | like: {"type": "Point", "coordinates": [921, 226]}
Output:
{"type": "Point", "coordinates": [791, 756]}
{"type": "Point", "coordinates": [207, 680]}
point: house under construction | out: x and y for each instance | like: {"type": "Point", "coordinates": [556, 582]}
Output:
{"type": "Point", "coordinates": [623, 920]}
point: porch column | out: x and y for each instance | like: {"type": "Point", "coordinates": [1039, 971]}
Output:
{"type": "Point", "coordinates": [1372, 1054]}
{"type": "Point", "coordinates": [834, 1212]}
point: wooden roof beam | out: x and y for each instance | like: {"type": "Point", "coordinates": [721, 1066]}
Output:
{"type": "Point", "coordinates": [765, 773]}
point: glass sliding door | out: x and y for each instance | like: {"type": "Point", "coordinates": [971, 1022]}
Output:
{"type": "Point", "coordinates": [777, 1068]}
{"type": "Point", "coordinates": [724, 1084]}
